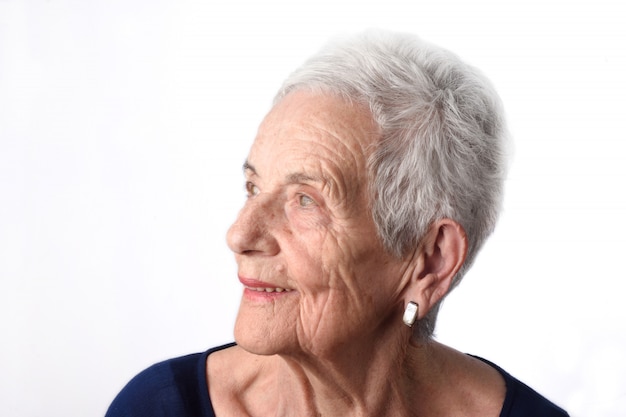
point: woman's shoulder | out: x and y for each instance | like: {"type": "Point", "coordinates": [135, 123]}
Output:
{"type": "Point", "coordinates": [487, 388]}
{"type": "Point", "coordinates": [521, 400]}
{"type": "Point", "coordinates": [172, 387]}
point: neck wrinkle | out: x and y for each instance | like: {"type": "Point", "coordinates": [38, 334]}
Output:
{"type": "Point", "coordinates": [372, 382]}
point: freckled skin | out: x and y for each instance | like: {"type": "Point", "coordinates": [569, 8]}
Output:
{"type": "Point", "coordinates": [345, 286]}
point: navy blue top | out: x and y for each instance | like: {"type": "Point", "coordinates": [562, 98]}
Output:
{"type": "Point", "coordinates": [178, 388]}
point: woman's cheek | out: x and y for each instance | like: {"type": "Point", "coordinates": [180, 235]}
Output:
{"type": "Point", "coordinates": [307, 219]}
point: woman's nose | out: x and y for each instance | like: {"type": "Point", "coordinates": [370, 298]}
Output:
{"type": "Point", "coordinates": [252, 232]}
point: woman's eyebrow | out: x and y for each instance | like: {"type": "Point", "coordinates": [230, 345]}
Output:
{"type": "Point", "coordinates": [248, 168]}
{"type": "Point", "coordinates": [324, 183]}
{"type": "Point", "coordinates": [300, 177]}
{"type": "Point", "coordinates": [296, 177]}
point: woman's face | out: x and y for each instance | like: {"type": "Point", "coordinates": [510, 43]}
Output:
{"type": "Point", "coordinates": [315, 275]}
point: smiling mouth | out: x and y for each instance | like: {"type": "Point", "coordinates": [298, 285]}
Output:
{"type": "Point", "coordinates": [267, 289]}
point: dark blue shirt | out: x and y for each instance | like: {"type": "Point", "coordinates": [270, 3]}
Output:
{"type": "Point", "coordinates": [178, 388]}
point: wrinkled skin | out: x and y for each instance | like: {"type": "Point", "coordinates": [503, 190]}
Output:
{"type": "Point", "coordinates": [307, 226]}
{"type": "Point", "coordinates": [326, 337]}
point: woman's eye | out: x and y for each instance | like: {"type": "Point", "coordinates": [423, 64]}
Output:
{"type": "Point", "coordinates": [305, 201]}
{"type": "Point", "coordinates": [251, 189]}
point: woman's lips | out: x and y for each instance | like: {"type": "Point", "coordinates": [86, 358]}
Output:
{"type": "Point", "coordinates": [267, 289]}
{"type": "Point", "coordinates": [261, 287]}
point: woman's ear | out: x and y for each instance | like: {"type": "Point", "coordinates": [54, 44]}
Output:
{"type": "Point", "coordinates": [439, 257]}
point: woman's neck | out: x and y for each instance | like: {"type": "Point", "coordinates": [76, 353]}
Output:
{"type": "Point", "coordinates": [378, 379]}
{"type": "Point", "coordinates": [363, 380]}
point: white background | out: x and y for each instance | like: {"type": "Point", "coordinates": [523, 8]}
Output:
{"type": "Point", "coordinates": [123, 127]}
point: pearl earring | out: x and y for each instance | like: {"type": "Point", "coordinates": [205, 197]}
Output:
{"type": "Point", "coordinates": [410, 313]}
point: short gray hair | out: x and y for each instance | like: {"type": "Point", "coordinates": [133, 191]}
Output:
{"type": "Point", "coordinates": [442, 148]}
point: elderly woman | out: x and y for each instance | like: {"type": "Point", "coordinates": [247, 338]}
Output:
{"type": "Point", "coordinates": [371, 186]}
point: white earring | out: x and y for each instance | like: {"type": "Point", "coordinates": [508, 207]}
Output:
{"type": "Point", "coordinates": [410, 313]}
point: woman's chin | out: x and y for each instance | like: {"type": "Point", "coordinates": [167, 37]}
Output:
{"type": "Point", "coordinates": [258, 335]}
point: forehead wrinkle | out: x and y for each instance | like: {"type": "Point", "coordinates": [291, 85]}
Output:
{"type": "Point", "coordinates": [318, 131]}
{"type": "Point", "coordinates": [353, 149]}
{"type": "Point", "coordinates": [338, 169]}
{"type": "Point", "coordinates": [334, 144]}
{"type": "Point", "coordinates": [331, 163]}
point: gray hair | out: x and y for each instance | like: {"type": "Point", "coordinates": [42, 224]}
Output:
{"type": "Point", "coordinates": [442, 146]}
